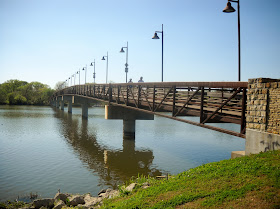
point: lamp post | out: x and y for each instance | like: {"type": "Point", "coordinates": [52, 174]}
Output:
{"type": "Point", "coordinates": [230, 9]}
{"type": "Point", "coordinates": [74, 76]}
{"type": "Point", "coordinates": [156, 37]}
{"type": "Point", "coordinates": [126, 64]}
{"type": "Point", "coordinates": [85, 69]}
{"type": "Point", "coordinates": [78, 72]}
{"type": "Point", "coordinates": [69, 81]}
{"type": "Point", "coordinates": [103, 58]}
{"type": "Point", "coordinates": [93, 70]}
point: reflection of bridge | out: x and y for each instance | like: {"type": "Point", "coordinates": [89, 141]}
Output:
{"type": "Point", "coordinates": [212, 102]}
{"type": "Point", "coordinates": [113, 166]}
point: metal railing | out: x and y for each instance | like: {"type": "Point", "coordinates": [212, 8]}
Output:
{"type": "Point", "coordinates": [212, 102]}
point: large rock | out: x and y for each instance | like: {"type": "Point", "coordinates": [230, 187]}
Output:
{"type": "Point", "coordinates": [109, 194]}
{"type": "Point", "coordinates": [61, 196]}
{"type": "Point", "coordinates": [59, 205]}
{"type": "Point", "coordinates": [48, 203]}
{"type": "Point", "coordinates": [131, 187]}
{"type": "Point", "coordinates": [91, 201]}
{"type": "Point", "coordinates": [76, 200]}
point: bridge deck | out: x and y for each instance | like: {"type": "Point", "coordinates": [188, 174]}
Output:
{"type": "Point", "coordinates": [212, 102]}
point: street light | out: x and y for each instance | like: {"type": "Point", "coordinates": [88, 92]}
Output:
{"type": "Point", "coordinates": [230, 9]}
{"type": "Point", "coordinates": [85, 69]}
{"type": "Point", "coordinates": [93, 70]}
{"type": "Point", "coordinates": [103, 58]}
{"type": "Point", "coordinates": [156, 37]}
{"type": "Point", "coordinates": [74, 75]}
{"type": "Point", "coordinates": [126, 64]}
{"type": "Point", "coordinates": [79, 72]}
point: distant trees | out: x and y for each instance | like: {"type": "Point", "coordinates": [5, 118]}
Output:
{"type": "Point", "coordinates": [15, 92]}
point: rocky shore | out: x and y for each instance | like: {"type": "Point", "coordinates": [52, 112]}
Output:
{"type": "Point", "coordinates": [85, 201]}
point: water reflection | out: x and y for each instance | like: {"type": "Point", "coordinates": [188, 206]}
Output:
{"type": "Point", "coordinates": [112, 166]}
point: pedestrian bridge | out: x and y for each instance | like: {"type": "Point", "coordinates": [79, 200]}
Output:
{"type": "Point", "coordinates": [209, 102]}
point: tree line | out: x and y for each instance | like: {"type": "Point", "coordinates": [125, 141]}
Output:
{"type": "Point", "coordinates": [16, 92]}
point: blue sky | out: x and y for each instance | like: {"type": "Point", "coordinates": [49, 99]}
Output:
{"type": "Point", "coordinates": [50, 40]}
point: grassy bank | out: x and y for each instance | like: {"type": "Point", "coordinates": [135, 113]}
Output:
{"type": "Point", "coordinates": [247, 182]}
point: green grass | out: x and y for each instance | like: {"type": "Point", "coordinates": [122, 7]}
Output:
{"type": "Point", "coordinates": [247, 182]}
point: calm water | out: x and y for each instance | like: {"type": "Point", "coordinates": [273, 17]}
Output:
{"type": "Point", "coordinates": [43, 150]}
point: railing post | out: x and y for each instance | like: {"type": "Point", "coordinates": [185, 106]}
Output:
{"type": "Point", "coordinates": [118, 99]}
{"type": "Point", "coordinates": [139, 94]}
{"type": "Point", "coordinates": [154, 98]}
{"type": "Point", "coordinates": [243, 116]}
{"type": "Point", "coordinates": [110, 93]}
{"type": "Point", "coordinates": [126, 95]}
{"type": "Point", "coordinates": [174, 101]}
{"type": "Point", "coordinates": [201, 105]}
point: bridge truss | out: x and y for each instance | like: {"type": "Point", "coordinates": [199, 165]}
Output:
{"type": "Point", "coordinates": [211, 102]}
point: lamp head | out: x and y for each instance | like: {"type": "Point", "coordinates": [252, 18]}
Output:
{"type": "Point", "coordinates": [122, 50]}
{"type": "Point", "coordinates": [229, 8]}
{"type": "Point", "coordinates": [155, 36]}
{"type": "Point", "coordinates": [103, 58]}
{"type": "Point", "coordinates": [91, 64]}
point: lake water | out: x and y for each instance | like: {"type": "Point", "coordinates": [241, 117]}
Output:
{"type": "Point", "coordinates": [43, 149]}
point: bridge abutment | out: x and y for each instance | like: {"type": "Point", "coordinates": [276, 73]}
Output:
{"type": "Point", "coordinates": [129, 118]}
{"type": "Point", "coordinates": [263, 115]}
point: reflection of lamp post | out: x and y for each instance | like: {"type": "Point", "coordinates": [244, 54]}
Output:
{"type": "Point", "coordinates": [156, 37]}
{"type": "Point", "coordinates": [229, 9]}
{"type": "Point", "coordinates": [85, 69]}
{"type": "Point", "coordinates": [93, 70]}
{"type": "Point", "coordinates": [126, 64]}
{"type": "Point", "coordinates": [103, 58]}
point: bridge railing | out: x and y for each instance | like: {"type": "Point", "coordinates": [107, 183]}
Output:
{"type": "Point", "coordinates": [212, 102]}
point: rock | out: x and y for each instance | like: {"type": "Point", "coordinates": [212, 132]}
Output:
{"type": "Point", "coordinates": [145, 185]}
{"type": "Point", "coordinates": [59, 204]}
{"type": "Point", "coordinates": [109, 194]}
{"type": "Point", "coordinates": [80, 206]}
{"type": "Point", "coordinates": [61, 196]}
{"type": "Point", "coordinates": [131, 187]}
{"type": "Point", "coordinates": [102, 191]}
{"type": "Point", "coordinates": [91, 201]}
{"type": "Point", "coordinates": [76, 200]}
{"type": "Point", "coordinates": [48, 203]}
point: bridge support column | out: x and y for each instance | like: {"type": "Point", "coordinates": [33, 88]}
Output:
{"type": "Point", "coordinates": [128, 116]}
{"type": "Point", "coordinates": [62, 105]}
{"type": "Point", "coordinates": [70, 106]}
{"type": "Point", "coordinates": [85, 110]}
{"type": "Point", "coordinates": [57, 103]}
{"type": "Point", "coordinates": [129, 129]}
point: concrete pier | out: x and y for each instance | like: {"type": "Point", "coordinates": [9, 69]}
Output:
{"type": "Point", "coordinates": [128, 116]}
{"type": "Point", "coordinates": [129, 129]}
{"type": "Point", "coordinates": [62, 105]}
{"type": "Point", "coordinates": [85, 110]}
{"type": "Point", "coordinates": [69, 106]}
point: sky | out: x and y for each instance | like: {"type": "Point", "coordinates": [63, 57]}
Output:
{"type": "Point", "coordinates": [50, 40]}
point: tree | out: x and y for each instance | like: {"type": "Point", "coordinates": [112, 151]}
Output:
{"type": "Point", "coordinates": [22, 92]}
